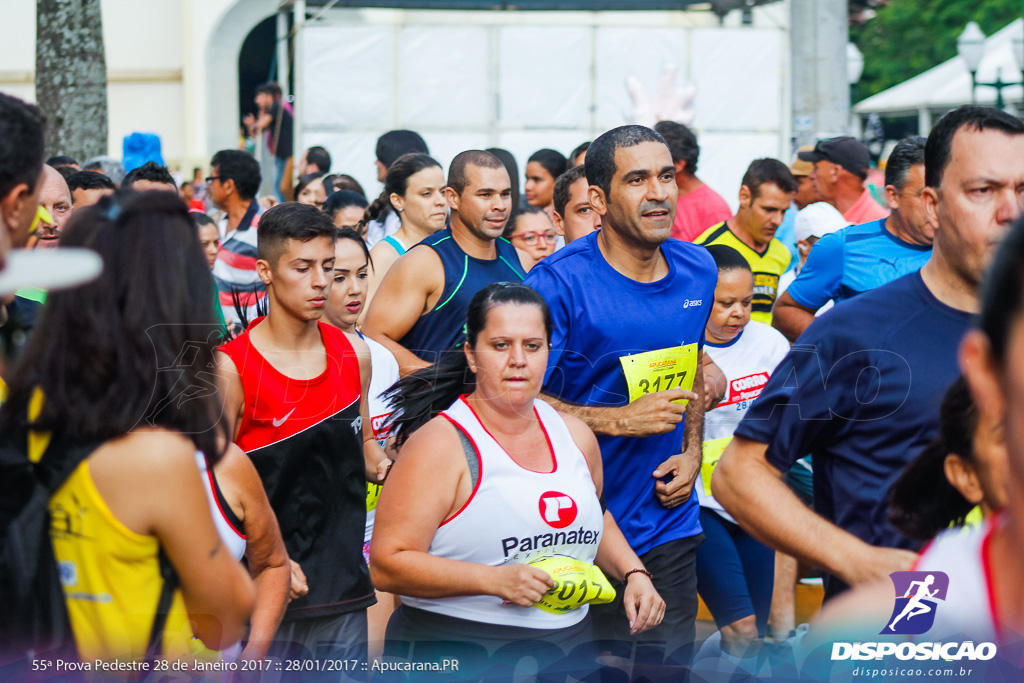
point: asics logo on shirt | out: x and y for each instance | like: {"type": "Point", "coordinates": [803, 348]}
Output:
{"type": "Point", "coordinates": [557, 509]}
{"type": "Point", "coordinates": [692, 302]}
{"type": "Point", "coordinates": [278, 423]}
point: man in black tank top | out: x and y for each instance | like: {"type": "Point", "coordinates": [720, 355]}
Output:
{"type": "Point", "coordinates": [420, 308]}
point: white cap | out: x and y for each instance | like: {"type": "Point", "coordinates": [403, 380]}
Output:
{"type": "Point", "coordinates": [817, 220]}
{"type": "Point", "coordinates": [49, 269]}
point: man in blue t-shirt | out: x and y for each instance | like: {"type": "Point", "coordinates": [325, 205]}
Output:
{"type": "Point", "coordinates": [861, 391]}
{"type": "Point", "coordinates": [863, 257]}
{"type": "Point", "coordinates": [614, 294]}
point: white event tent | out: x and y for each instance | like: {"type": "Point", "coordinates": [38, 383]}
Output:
{"type": "Point", "coordinates": [948, 85]}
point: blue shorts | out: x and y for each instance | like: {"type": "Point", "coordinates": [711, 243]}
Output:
{"type": "Point", "coordinates": [735, 572]}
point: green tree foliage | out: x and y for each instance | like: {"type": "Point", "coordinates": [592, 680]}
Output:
{"type": "Point", "coordinates": [907, 37]}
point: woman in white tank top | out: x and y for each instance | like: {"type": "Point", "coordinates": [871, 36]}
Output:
{"type": "Point", "coordinates": [498, 480]}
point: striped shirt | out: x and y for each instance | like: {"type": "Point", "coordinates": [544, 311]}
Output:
{"type": "Point", "coordinates": [235, 269]}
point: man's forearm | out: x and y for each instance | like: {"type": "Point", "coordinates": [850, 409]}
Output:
{"type": "Point", "coordinates": [693, 436]}
{"type": "Point", "coordinates": [752, 491]}
{"type": "Point", "coordinates": [602, 420]}
{"type": "Point", "coordinates": [791, 320]}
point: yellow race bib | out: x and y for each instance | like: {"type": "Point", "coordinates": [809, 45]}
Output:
{"type": "Point", "coordinates": [660, 370]}
{"type": "Point", "coordinates": [372, 495]}
{"type": "Point", "coordinates": [576, 584]}
{"type": "Point", "coordinates": [712, 451]}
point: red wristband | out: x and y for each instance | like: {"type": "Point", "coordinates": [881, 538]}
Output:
{"type": "Point", "coordinates": [638, 570]}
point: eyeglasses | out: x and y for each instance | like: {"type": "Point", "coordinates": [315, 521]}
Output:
{"type": "Point", "coordinates": [532, 237]}
{"type": "Point", "coordinates": [211, 178]}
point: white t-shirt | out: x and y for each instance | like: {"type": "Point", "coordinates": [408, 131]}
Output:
{"type": "Point", "coordinates": [383, 373]}
{"type": "Point", "coordinates": [747, 362]}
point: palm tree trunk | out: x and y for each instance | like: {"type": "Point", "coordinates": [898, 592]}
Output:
{"type": "Point", "coordinates": [71, 77]}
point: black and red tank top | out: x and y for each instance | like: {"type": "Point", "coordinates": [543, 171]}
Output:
{"type": "Point", "coordinates": [305, 438]}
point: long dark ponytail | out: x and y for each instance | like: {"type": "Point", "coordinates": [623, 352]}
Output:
{"type": "Point", "coordinates": [923, 502]}
{"type": "Point", "coordinates": [134, 347]}
{"type": "Point", "coordinates": [396, 182]}
{"type": "Point", "coordinates": [418, 397]}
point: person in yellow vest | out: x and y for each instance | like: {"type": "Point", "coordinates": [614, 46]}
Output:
{"type": "Point", "coordinates": [767, 190]}
{"type": "Point", "coordinates": [138, 496]}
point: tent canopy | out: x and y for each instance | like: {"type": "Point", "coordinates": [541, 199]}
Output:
{"type": "Point", "coordinates": [592, 5]}
{"type": "Point", "coordinates": [948, 85]}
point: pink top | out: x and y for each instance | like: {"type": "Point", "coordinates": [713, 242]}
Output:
{"type": "Point", "coordinates": [865, 210]}
{"type": "Point", "coordinates": [698, 211]}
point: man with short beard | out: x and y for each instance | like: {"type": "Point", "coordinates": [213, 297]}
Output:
{"type": "Point", "coordinates": [420, 309]}
{"type": "Point", "coordinates": [615, 296]}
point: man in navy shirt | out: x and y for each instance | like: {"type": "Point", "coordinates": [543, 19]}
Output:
{"type": "Point", "coordinates": [615, 294]}
{"type": "Point", "coordinates": [861, 390]}
{"type": "Point", "coordinates": [862, 257]}
{"type": "Point", "coordinates": [420, 308]}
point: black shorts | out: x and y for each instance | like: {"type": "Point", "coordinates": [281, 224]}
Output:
{"type": "Point", "coordinates": [674, 567]}
{"type": "Point", "coordinates": [487, 651]}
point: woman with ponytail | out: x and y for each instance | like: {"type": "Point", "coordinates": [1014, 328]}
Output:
{"type": "Point", "coordinates": [131, 523]}
{"type": "Point", "coordinates": [414, 189]}
{"type": "Point", "coordinates": [491, 484]}
{"type": "Point", "coordinates": [963, 469]}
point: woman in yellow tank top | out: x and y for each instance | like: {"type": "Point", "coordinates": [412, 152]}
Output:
{"type": "Point", "coordinates": [121, 361]}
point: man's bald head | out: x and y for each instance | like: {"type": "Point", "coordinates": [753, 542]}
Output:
{"type": "Point", "coordinates": [55, 197]}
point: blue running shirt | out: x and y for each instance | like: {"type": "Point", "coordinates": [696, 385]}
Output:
{"type": "Point", "coordinates": [601, 315]}
{"type": "Point", "coordinates": [852, 261]}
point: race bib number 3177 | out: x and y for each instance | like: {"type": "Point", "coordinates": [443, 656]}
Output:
{"type": "Point", "coordinates": [660, 370]}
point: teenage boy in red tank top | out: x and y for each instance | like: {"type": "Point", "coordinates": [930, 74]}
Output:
{"type": "Point", "coordinates": [292, 392]}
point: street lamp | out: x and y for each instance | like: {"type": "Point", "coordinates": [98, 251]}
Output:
{"type": "Point", "coordinates": [854, 64]}
{"type": "Point", "coordinates": [854, 69]}
{"type": "Point", "coordinates": [1018, 49]}
{"type": "Point", "coordinates": [971, 48]}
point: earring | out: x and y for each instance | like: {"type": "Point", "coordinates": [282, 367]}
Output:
{"type": "Point", "coordinates": [398, 210]}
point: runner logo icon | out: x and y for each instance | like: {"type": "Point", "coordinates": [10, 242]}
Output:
{"type": "Point", "coordinates": [557, 509]}
{"type": "Point", "coordinates": [916, 596]}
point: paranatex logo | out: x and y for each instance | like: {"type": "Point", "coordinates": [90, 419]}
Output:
{"type": "Point", "coordinates": [557, 509]}
{"type": "Point", "coordinates": [918, 598]}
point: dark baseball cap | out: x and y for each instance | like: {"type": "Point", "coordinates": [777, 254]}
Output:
{"type": "Point", "coordinates": [850, 153]}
